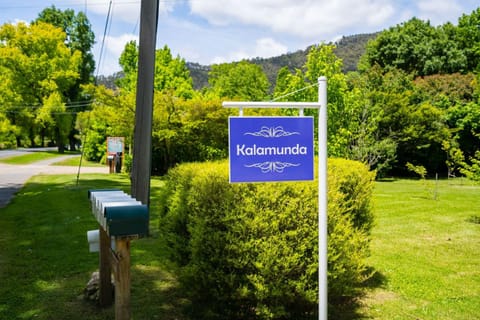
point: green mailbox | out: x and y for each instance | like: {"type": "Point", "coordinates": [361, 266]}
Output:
{"type": "Point", "coordinates": [127, 220]}
{"type": "Point", "coordinates": [118, 213]}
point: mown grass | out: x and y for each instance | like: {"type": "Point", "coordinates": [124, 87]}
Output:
{"type": "Point", "coordinates": [424, 254]}
{"type": "Point", "coordinates": [45, 262]}
{"type": "Point", "coordinates": [425, 251]}
{"type": "Point", "coordinates": [75, 161]}
{"type": "Point", "coordinates": [30, 157]}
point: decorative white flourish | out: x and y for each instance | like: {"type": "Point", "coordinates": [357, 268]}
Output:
{"type": "Point", "coordinates": [272, 166]}
{"type": "Point", "coordinates": [271, 132]}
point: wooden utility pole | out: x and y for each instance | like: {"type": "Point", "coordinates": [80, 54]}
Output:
{"type": "Point", "coordinates": [142, 144]}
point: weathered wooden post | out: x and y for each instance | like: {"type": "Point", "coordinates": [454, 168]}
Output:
{"type": "Point", "coordinates": [105, 269]}
{"type": "Point", "coordinates": [122, 219]}
{"type": "Point", "coordinates": [121, 263]}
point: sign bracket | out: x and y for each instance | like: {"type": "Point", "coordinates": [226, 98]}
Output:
{"type": "Point", "coordinates": [322, 178]}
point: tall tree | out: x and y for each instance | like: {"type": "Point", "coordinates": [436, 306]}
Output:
{"type": "Point", "coordinates": [416, 47]}
{"type": "Point", "coordinates": [468, 35]}
{"type": "Point", "coordinates": [79, 38]}
{"type": "Point", "coordinates": [239, 80]}
{"type": "Point", "coordinates": [171, 74]}
{"type": "Point", "coordinates": [35, 63]}
{"type": "Point", "coordinates": [301, 86]}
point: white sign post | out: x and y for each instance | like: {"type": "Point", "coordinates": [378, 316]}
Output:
{"type": "Point", "coordinates": [322, 179]}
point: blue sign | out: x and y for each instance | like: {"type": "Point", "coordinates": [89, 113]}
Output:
{"type": "Point", "coordinates": [271, 149]}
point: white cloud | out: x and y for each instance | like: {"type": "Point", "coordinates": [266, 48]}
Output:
{"type": "Point", "coordinates": [113, 48]}
{"type": "Point", "coordinates": [116, 45]}
{"type": "Point", "coordinates": [439, 11]}
{"type": "Point", "coordinates": [125, 10]}
{"type": "Point", "coordinates": [304, 18]}
{"type": "Point", "coordinates": [120, 10]}
{"type": "Point", "coordinates": [19, 21]}
{"type": "Point", "coordinates": [268, 47]}
{"type": "Point", "coordinates": [264, 47]}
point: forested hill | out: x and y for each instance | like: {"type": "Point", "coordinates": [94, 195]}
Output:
{"type": "Point", "coordinates": [349, 49]}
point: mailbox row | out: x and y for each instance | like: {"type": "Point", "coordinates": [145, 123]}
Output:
{"type": "Point", "coordinates": [118, 213]}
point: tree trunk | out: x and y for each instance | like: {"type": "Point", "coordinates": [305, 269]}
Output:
{"type": "Point", "coordinates": [60, 144]}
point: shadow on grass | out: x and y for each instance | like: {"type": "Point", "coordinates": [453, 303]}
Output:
{"type": "Point", "coordinates": [45, 263]}
{"type": "Point", "coordinates": [349, 308]}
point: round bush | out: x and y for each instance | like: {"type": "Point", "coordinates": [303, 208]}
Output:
{"type": "Point", "coordinates": [250, 251]}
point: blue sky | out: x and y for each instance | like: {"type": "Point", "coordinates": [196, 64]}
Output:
{"type": "Point", "coordinates": [214, 31]}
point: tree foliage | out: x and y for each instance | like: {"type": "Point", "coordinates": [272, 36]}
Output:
{"type": "Point", "coordinates": [112, 115]}
{"type": "Point", "coordinates": [239, 81]}
{"type": "Point", "coordinates": [417, 47]}
{"type": "Point", "coordinates": [35, 64]}
{"type": "Point", "coordinates": [80, 37]}
{"type": "Point", "coordinates": [188, 131]}
{"type": "Point", "coordinates": [468, 36]}
{"type": "Point", "coordinates": [353, 120]}
{"type": "Point", "coordinates": [171, 74]}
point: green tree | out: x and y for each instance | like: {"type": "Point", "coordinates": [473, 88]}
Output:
{"type": "Point", "coordinates": [302, 86]}
{"type": "Point", "coordinates": [80, 37]}
{"type": "Point", "coordinates": [465, 120]}
{"type": "Point", "coordinates": [188, 131]}
{"type": "Point", "coordinates": [416, 47]}
{"type": "Point", "coordinates": [171, 74]}
{"type": "Point", "coordinates": [444, 90]}
{"type": "Point", "coordinates": [34, 63]}
{"type": "Point", "coordinates": [112, 114]}
{"type": "Point", "coordinates": [129, 62]}
{"type": "Point", "coordinates": [7, 133]}
{"type": "Point", "coordinates": [52, 115]}
{"type": "Point", "coordinates": [468, 35]}
{"type": "Point", "coordinates": [239, 80]}
{"type": "Point", "coordinates": [367, 144]}
{"type": "Point", "coordinates": [291, 87]}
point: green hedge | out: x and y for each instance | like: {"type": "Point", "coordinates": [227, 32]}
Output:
{"type": "Point", "coordinates": [249, 251]}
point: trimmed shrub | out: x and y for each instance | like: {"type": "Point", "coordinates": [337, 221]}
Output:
{"type": "Point", "coordinates": [250, 251]}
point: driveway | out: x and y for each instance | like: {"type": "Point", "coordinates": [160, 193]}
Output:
{"type": "Point", "coordinates": [13, 177]}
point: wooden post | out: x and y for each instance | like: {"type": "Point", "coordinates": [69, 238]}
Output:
{"type": "Point", "coordinates": [106, 288]}
{"type": "Point", "coordinates": [122, 279]}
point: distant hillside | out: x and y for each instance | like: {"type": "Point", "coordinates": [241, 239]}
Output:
{"type": "Point", "coordinates": [199, 74]}
{"type": "Point", "coordinates": [349, 49]}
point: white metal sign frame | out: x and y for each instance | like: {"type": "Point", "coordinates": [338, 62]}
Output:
{"type": "Point", "coordinates": [322, 178]}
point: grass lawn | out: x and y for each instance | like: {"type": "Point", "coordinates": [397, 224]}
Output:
{"type": "Point", "coordinates": [424, 252]}
{"type": "Point", "coordinates": [75, 161]}
{"type": "Point", "coordinates": [45, 262]}
{"type": "Point", "coordinates": [31, 157]}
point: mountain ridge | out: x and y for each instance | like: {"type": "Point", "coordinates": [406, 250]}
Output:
{"type": "Point", "coordinates": [348, 48]}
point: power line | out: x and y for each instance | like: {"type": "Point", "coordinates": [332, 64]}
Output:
{"type": "Point", "coordinates": [52, 113]}
{"type": "Point", "coordinates": [73, 105]}
{"type": "Point", "coordinates": [80, 3]}
{"type": "Point", "coordinates": [293, 92]}
{"type": "Point", "coordinates": [104, 37]}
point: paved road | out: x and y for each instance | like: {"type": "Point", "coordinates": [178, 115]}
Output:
{"type": "Point", "coordinates": [13, 177]}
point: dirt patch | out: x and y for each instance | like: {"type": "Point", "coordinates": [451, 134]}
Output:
{"type": "Point", "coordinates": [378, 296]}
